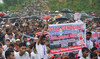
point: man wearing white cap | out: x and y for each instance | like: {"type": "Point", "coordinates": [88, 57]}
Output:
{"type": "Point", "coordinates": [17, 43]}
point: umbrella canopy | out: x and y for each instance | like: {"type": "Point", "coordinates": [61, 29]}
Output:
{"type": "Point", "coordinates": [14, 15]}
{"type": "Point", "coordinates": [35, 16]}
{"type": "Point", "coordinates": [52, 15]}
{"type": "Point", "coordinates": [12, 18]}
{"type": "Point", "coordinates": [2, 14]}
{"type": "Point", "coordinates": [68, 15]}
{"type": "Point", "coordinates": [61, 19]}
{"type": "Point", "coordinates": [27, 17]}
{"type": "Point", "coordinates": [65, 10]}
{"type": "Point", "coordinates": [6, 16]}
{"type": "Point", "coordinates": [23, 15]}
{"type": "Point", "coordinates": [85, 15]}
{"type": "Point", "coordinates": [46, 17]}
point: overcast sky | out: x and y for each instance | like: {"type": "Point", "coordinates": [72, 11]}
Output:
{"type": "Point", "coordinates": [1, 1]}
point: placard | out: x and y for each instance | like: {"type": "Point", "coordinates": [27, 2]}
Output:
{"type": "Point", "coordinates": [67, 37]}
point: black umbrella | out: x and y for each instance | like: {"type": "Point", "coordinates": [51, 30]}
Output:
{"type": "Point", "coordinates": [14, 15]}
{"type": "Point", "coordinates": [68, 15]}
{"type": "Point", "coordinates": [85, 15]}
{"type": "Point", "coordinates": [23, 15]}
{"type": "Point", "coordinates": [96, 19]}
{"type": "Point", "coordinates": [14, 18]}
{"type": "Point", "coordinates": [52, 15]}
{"type": "Point", "coordinates": [27, 17]}
{"type": "Point", "coordinates": [65, 10]}
{"type": "Point", "coordinates": [61, 19]}
{"type": "Point", "coordinates": [34, 16]}
{"type": "Point", "coordinates": [6, 16]}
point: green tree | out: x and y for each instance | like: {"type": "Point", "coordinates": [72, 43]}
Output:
{"type": "Point", "coordinates": [1, 7]}
{"type": "Point", "coordinates": [82, 5]}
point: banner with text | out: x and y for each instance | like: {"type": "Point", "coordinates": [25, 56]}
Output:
{"type": "Point", "coordinates": [67, 37]}
{"type": "Point", "coordinates": [96, 39]}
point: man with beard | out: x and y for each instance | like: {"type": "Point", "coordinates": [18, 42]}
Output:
{"type": "Point", "coordinates": [89, 43]}
{"type": "Point", "coordinates": [22, 54]}
{"type": "Point", "coordinates": [41, 47]}
{"type": "Point", "coordinates": [9, 54]}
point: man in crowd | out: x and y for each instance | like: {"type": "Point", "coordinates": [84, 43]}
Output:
{"type": "Point", "coordinates": [93, 56]}
{"type": "Point", "coordinates": [20, 31]}
{"type": "Point", "coordinates": [89, 43]}
{"type": "Point", "coordinates": [9, 54]}
{"type": "Point", "coordinates": [6, 46]}
{"type": "Point", "coordinates": [85, 52]}
{"type": "Point", "coordinates": [41, 47]}
{"type": "Point", "coordinates": [1, 54]}
{"type": "Point", "coordinates": [2, 36]}
{"type": "Point", "coordinates": [34, 52]}
{"type": "Point", "coordinates": [95, 50]}
{"type": "Point", "coordinates": [22, 54]}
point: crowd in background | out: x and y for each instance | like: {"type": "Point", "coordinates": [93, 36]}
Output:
{"type": "Point", "coordinates": [25, 38]}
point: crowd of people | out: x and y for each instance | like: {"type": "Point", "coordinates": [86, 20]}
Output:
{"type": "Point", "coordinates": [29, 39]}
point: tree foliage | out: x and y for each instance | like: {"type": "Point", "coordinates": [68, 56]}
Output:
{"type": "Point", "coordinates": [82, 5]}
{"type": "Point", "coordinates": [53, 5]}
{"type": "Point", "coordinates": [12, 4]}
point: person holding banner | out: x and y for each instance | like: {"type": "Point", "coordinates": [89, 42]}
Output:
{"type": "Point", "coordinates": [89, 43]}
{"type": "Point", "coordinates": [41, 47]}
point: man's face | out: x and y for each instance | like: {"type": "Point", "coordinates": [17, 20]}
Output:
{"type": "Point", "coordinates": [10, 36]}
{"type": "Point", "coordinates": [12, 55]}
{"type": "Point", "coordinates": [85, 53]}
{"type": "Point", "coordinates": [88, 36]}
{"type": "Point", "coordinates": [25, 39]}
{"type": "Point", "coordinates": [18, 42]}
{"type": "Point", "coordinates": [39, 28]}
{"type": "Point", "coordinates": [47, 43]}
{"type": "Point", "coordinates": [23, 49]}
{"type": "Point", "coordinates": [31, 42]}
{"type": "Point", "coordinates": [21, 29]}
{"type": "Point", "coordinates": [43, 41]}
{"type": "Point", "coordinates": [7, 43]}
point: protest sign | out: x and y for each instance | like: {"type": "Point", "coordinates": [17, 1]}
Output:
{"type": "Point", "coordinates": [67, 37]}
{"type": "Point", "coordinates": [96, 39]}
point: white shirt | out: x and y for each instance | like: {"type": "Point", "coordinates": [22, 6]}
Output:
{"type": "Point", "coordinates": [12, 40]}
{"type": "Point", "coordinates": [6, 36]}
{"type": "Point", "coordinates": [5, 47]}
{"type": "Point", "coordinates": [24, 56]}
{"type": "Point", "coordinates": [90, 46]}
{"type": "Point", "coordinates": [84, 58]}
{"type": "Point", "coordinates": [98, 57]}
{"type": "Point", "coordinates": [42, 51]}
{"type": "Point", "coordinates": [13, 35]}
{"type": "Point", "coordinates": [34, 56]}
{"type": "Point", "coordinates": [3, 53]}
